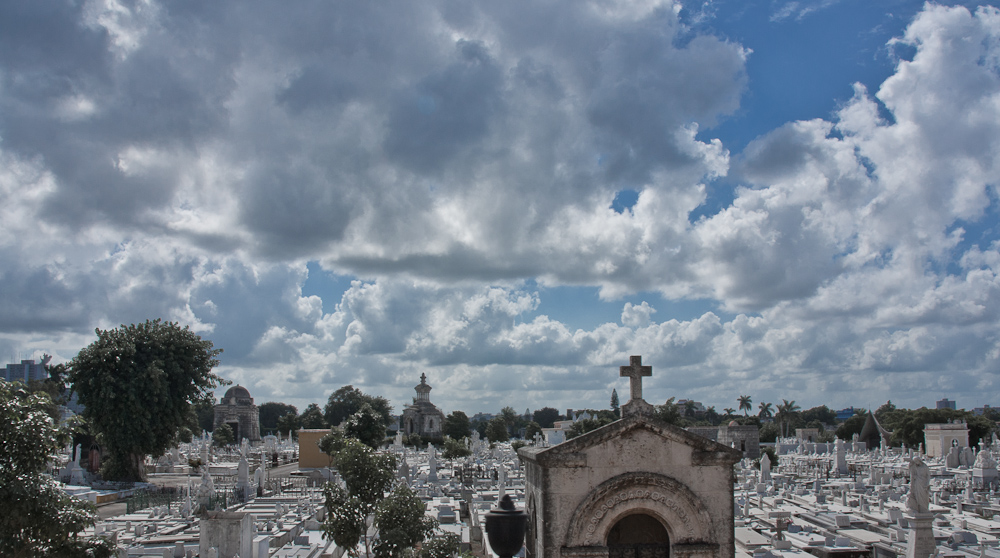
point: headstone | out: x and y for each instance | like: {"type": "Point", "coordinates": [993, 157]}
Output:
{"type": "Point", "coordinates": [952, 460]}
{"type": "Point", "coordinates": [432, 475]}
{"type": "Point", "coordinates": [841, 454]}
{"type": "Point", "coordinates": [765, 468]}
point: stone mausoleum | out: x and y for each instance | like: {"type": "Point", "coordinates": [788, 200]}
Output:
{"type": "Point", "coordinates": [636, 487]}
{"type": "Point", "coordinates": [238, 411]}
{"type": "Point", "coordinates": [422, 417]}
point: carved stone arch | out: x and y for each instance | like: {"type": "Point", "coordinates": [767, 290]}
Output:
{"type": "Point", "coordinates": [681, 511]}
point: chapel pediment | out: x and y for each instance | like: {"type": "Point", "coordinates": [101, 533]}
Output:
{"type": "Point", "coordinates": [637, 486]}
{"type": "Point", "coordinates": [638, 431]}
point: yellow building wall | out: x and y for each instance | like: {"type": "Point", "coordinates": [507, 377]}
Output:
{"type": "Point", "coordinates": [310, 456]}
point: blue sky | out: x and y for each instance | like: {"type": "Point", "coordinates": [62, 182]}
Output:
{"type": "Point", "coordinates": [791, 200]}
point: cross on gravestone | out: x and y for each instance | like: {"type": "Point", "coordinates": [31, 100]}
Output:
{"type": "Point", "coordinates": [635, 371]}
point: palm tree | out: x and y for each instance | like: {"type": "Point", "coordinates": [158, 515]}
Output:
{"type": "Point", "coordinates": [689, 408]}
{"type": "Point", "coordinates": [785, 412]}
{"type": "Point", "coordinates": [765, 411]}
{"type": "Point", "coordinates": [746, 405]}
{"type": "Point", "coordinates": [729, 411]}
{"type": "Point", "coordinates": [711, 415]}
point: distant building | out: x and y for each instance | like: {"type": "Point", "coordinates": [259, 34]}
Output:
{"type": "Point", "coordinates": [423, 417]}
{"type": "Point", "coordinates": [946, 404]}
{"type": "Point", "coordinates": [27, 371]}
{"type": "Point", "coordinates": [939, 438]}
{"type": "Point", "coordinates": [980, 411]}
{"type": "Point", "coordinates": [238, 411]}
{"type": "Point", "coordinates": [744, 438]}
{"type": "Point", "coordinates": [845, 414]}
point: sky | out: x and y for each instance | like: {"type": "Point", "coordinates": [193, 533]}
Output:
{"type": "Point", "coordinates": [783, 199]}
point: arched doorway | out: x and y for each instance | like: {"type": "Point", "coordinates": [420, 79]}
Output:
{"type": "Point", "coordinates": [638, 536]}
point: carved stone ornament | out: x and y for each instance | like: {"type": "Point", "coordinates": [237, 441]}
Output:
{"type": "Point", "coordinates": [684, 515]}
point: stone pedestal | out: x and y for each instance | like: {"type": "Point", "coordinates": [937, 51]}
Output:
{"type": "Point", "coordinates": [920, 541]}
{"type": "Point", "coordinates": [227, 532]}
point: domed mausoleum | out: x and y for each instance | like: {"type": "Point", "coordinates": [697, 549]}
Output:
{"type": "Point", "coordinates": [422, 417]}
{"type": "Point", "coordinates": [238, 411]}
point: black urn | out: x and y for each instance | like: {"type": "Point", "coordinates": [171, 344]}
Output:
{"type": "Point", "coordinates": [505, 528]}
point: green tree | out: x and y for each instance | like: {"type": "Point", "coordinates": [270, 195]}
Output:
{"type": "Point", "coordinates": [765, 411]}
{"type": "Point", "coordinates": [312, 418]}
{"type": "Point", "coordinates": [852, 425]}
{"type": "Point", "coordinates": [367, 475]}
{"type": "Point", "coordinates": [38, 518]}
{"type": "Point", "coordinates": [531, 429]}
{"type": "Point", "coordinates": [583, 426]}
{"type": "Point", "coordinates": [821, 413]}
{"type": "Point", "coordinates": [289, 423]}
{"type": "Point", "coordinates": [332, 443]}
{"type": "Point", "coordinates": [366, 426]}
{"type": "Point", "coordinates": [769, 433]}
{"type": "Point", "coordinates": [348, 400]}
{"type": "Point", "coordinates": [746, 404]}
{"type": "Point", "coordinates": [401, 523]}
{"type": "Point", "coordinates": [456, 425]}
{"type": "Point", "coordinates": [453, 449]}
{"type": "Point", "coordinates": [204, 410]}
{"type": "Point", "coordinates": [729, 411]}
{"type": "Point", "coordinates": [270, 412]}
{"type": "Point", "coordinates": [546, 417]}
{"type": "Point", "coordinates": [615, 405]}
{"type": "Point", "coordinates": [510, 418]}
{"type": "Point", "coordinates": [669, 413]}
{"type": "Point", "coordinates": [138, 384]}
{"type": "Point", "coordinates": [786, 411]}
{"type": "Point", "coordinates": [223, 435]}
{"type": "Point", "coordinates": [441, 545]}
{"type": "Point", "coordinates": [496, 430]}
{"type": "Point", "coordinates": [712, 416]}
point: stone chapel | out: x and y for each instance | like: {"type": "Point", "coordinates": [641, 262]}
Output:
{"type": "Point", "coordinates": [636, 487]}
{"type": "Point", "coordinates": [238, 411]}
{"type": "Point", "coordinates": [422, 417]}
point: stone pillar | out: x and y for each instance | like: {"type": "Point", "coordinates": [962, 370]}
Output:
{"type": "Point", "coordinates": [920, 542]}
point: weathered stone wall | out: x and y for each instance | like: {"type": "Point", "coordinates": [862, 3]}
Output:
{"type": "Point", "coordinates": [578, 490]}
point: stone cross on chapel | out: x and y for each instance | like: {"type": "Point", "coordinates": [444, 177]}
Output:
{"type": "Point", "coordinates": [635, 371]}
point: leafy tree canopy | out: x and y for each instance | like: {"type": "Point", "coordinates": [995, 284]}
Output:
{"type": "Point", "coordinates": [312, 417]}
{"type": "Point", "coordinates": [496, 430]}
{"type": "Point", "coordinates": [138, 384]}
{"type": "Point", "coordinates": [546, 417]}
{"type": "Point", "coordinates": [852, 425]}
{"type": "Point", "coordinates": [368, 475]}
{"type": "Point", "coordinates": [366, 426]}
{"type": "Point", "coordinates": [457, 425]}
{"type": "Point", "coordinates": [348, 400]}
{"type": "Point", "coordinates": [453, 449]}
{"type": "Point", "coordinates": [401, 523]}
{"type": "Point", "coordinates": [586, 425]}
{"type": "Point", "coordinates": [531, 429]}
{"type": "Point", "coordinates": [289, 423]}
{"type": "Point", "coordinates": [270, 412]}
{"type": "Point", "coordinates": [223, 435]}
{"type": "Point", "coordinates": [822, 414]}
{"type": "Point", "coordinates": [38, 518]}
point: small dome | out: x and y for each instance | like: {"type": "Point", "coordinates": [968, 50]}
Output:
{"type": "Point", "coordinates": [237, 395]}
{"type": "Point", "coordinates": [239, 392]}
{"type": "Point", "coordinates": [733, 423]}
